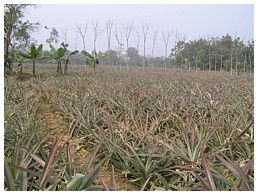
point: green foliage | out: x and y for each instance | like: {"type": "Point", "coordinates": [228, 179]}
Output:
{"type": "Point", "coordinates": [25, 178]}
{"type": "Point", "coordinates": [17, 32]}
{"type": "Point", "coordinates": [15, 26]}
{"type": "Point", "coordinates": [219, 50]}
{"type": "Point", "coordinates": [34, 53]}
{"type": "Point", "coordinates": [18, 58]}
{"type": "Point", "coordinates": [133, 54]}
{"type": "Point", "coordinates": [53, 36]}
{"type": "Point", "coordinates": [58, 53]}
{"type": "Point", "coordinates": [95, 57]}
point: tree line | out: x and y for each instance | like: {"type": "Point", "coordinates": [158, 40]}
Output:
{"type": "Point", "coordinates": [215, 53]}
{"type": "Point", "coordinates": [212, 53]}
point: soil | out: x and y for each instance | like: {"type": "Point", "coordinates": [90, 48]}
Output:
{"type": "Point", "coordinates": [57, 126]}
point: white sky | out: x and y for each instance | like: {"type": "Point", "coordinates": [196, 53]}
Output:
{"type": "Point", "coordinates": [192, 20]}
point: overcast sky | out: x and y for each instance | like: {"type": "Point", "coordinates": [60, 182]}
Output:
{"type": "Point", "coordinates": [194, 21]}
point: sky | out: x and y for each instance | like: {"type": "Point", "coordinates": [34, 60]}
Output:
{"type": "Point", "coordinates": [191, 21]}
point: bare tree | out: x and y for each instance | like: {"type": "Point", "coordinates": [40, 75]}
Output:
{"type": "Point", "coordinates": [166, 38]}
{"type": "Point", "coordinates": [82, 30]}
{"type": "Point", "coordinates": [179, 47]}
{"type": "Point", "coordinates": [214, 52]}
{"type": "Point", "coordinates": [145, 29]}
{"type": "Point", "coordinates": [116, 35]}
{"type": "Point", "coordinates": [233, 52]}
{"type": "Point", "coordinates": [76, 42]}
{"type": "Point", "coordinates": [75, 46]}
{"type": "Point", "coordinates": [182, 61]}
{"type": "Point", "coordinates": [221, 61]}
{"type": "Point", "coordinates": [137, 41]}
{"type": "Point", "coordinates": [209, 42]}
{"type": "Point", "coordinates": [231, 59]}
{"type": "Point", "coordinates": [236, 62]}
{"type": "Point", "coordinates": [250, 61]}
{"type": "Point", "coordinates": [215, 65]}
{"type": "Point", "coordinates": [138, 35]}
{"type": "Point", "coordinates": [155, 34]}
{"type": "Point", "coordinates": [177, 38]}
{"type": "Point", "coordinates": [158, 61]}
{"type": "Point", "coordinates": [196, 65]}
{"type": "Point", "coordinates": [209, 63]}
{"type": "Point", "coordinates": [119, 36]}
{"type": "Point", "coordinates": [128, 29]}
{"type": "Point", "coordinates": [245, 62]}
{"type": "Point", "coordinates": [96, 33]}
{"type": "Point", "coordinates": [109, 26]}
{"type": "Point", "coordinates": [64, 34]}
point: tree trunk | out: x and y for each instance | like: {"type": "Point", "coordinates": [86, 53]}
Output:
{"type": "Point", "coordinates": [33, 67]}
{"type": "Point", "coordinates": [127, 62]}
{"type": "Point", "coordinates": [181, 64]}
{"type": "Point", "coordinates": [83, 40]}
{"type": "Point", "coordinates": [166, 57]}
{"type": "Point", "coordinates": [250, 61]}
{"type": "Point", "coordinates": [94, 44]}
{"type": "Point", "coordinates": [215, 67]}
{"type": "Point", "coordinates": [196, 66]}
{"type": "Point", "coordinates": [144, 55]}
{"type": "Point", "coordinates": [59, 68]}
{"type": "Point", "coordinates": [6, 55]}
{"type": "Point", "coordinates": [236, 66]}
{"type": "Point", "coordinates": [108, 58]}
{"type": "Point", "coordinates": [231, 62]}
{"type": "Point", "coordinates": [7, 62]}
{"type": "Point", "coordinates": [221, 62]}
{"type": "Point", "coordinates": [66, 66]}
{"type": "Point", "coordinates": [245, 63]}
{"type": "Point", "coordinates": [7, 41]}
{"type": "Point", "coordinates": [209, 64]}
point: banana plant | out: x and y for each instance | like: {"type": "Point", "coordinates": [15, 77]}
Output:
{"type": "Point", "coordinates": [57, 55]}
{"type": "Point", "coordinates": [19, 59]}
{"type": "Point", "coordinates": [94, 58]}
{"type": "Point", "coordinates": [67, 58]}
{"type": "Point", "coordinates": [33, 54]}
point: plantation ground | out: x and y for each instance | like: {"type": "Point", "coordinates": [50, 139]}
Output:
{"type": "Point", "coordinates": [129, 130]}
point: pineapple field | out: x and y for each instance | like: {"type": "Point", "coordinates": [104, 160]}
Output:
{"type": "Point", "coordinates": [128, 97]}
{"type": "Point", "coordinates": [143, 129]}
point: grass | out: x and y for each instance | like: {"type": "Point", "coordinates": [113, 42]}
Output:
{"type": "Point", "coordinates": [158, 130]}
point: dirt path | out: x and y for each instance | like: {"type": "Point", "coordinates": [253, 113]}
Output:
{"type": "Point", "coordinates": [57, 126]}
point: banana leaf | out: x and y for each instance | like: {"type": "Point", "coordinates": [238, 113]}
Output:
{"type": "Point", "coordinates": [33, 51]}
{"type": "Point", "coordinates": [87, 54]}
{"type": "Point", "coordinates": [25, 55]}
{"type": "Point", "coordinates": [73, 53]}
